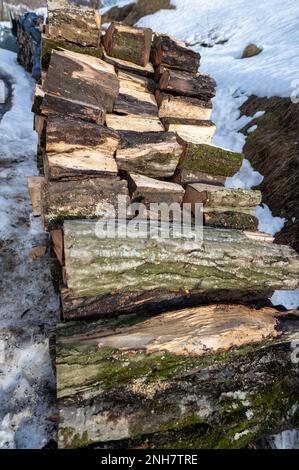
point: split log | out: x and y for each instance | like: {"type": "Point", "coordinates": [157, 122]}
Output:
{"type": "Point", "coordinates": [211, 159]}
{"type": "Point", "coordinates": [149, 191]}
{"type": "Point", "coordinates": [147, 268]}
{"type": "Point", "coordinates": [154, 154]}
{"type": "Point", "coordinates": [119, 64]}
{"type": "Point", "coordinates": [85, 198]}
{"type": "Point", "coordinates": [225, 208]}
{"type": "Point", "coordinates": [212, 196]}
{"type": "Point", "coordinates": [182, 107]}
{"type": "Point", "coordinates": [72, 23]}
{"type": "Point", "coordinates": [72, 76]}
{"type": "Point", "coordinates": [134, 96]}
{"type": "Point", "coordinates": [77, 148]}
{"type": "Point", "coordinates": [199, 86]}
{"type": "Point", "coordinates": [37, 99]}
{"type": "Point", "coordinates": [35, 189]}
{"type": "Point", "coordinates": [174, 54]}
{"type": "Point", "coordinates": [40, 124]}
{"type": "Point", "coordinates": [57, 240]}
{"type": "Point", "coordinates": [231, 219]}
{"type": "Point", "coordinates": [128, 43]}
{"type": "Point", "coordinates": [115, 394]}
{"type": "Point", "coordinates": [184, 177]}
{"type": "Point", "coordinates": [191, 131]}
{"type": "Point", "coordinates": [49, 44]}
{"type": "Point", "coordinates": [133, 122]}
{"type": "Point", "coordinates": [73, 108]}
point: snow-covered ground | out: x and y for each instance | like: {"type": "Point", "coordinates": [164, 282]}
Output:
{"type": "Point", "coordinates": [28, 304]}
{"type": "Point", "coordinates": [229, 26]}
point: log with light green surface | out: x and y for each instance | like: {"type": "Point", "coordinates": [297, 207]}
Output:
{"type": "Point", "coordinates": [128, 43]}
{"type": "Point", "coordinates": [210, 159]}
{"type": "Point", "coordinates": [225, 260]}
{"type": "Point", "coordinates": [71, 23]}
{"type": "Point", "coordinates": [201, 377]}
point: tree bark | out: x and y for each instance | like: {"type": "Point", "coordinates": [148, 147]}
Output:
{"type": "Point", "coordinates": [172, 381]}
{"type": "Point", "coordinates": [174, 54]}
{"type": "Point", "coordinates": [154, 154]}
{"type": "Point", "coordinates": [231, 219]}
{"type": "Point", "coordinates": [225, 260]}
{"type": "Point", "coordinates": [73, 108]}
{"type": "Point", "coordinates": [183, 107]}
{"type": "Point", "coordinates": [128, 43]}
{"type": "Point", "coordinates": [211, 159]}
{"type": "Point", "coordinates": [215, 197]}
{"type": "Point", "coordinates": [126, 66]}
{"type": "Point", "coordinates": [84, 198]}
{"type": "Point", "coordinates": [72, 23]}
{"type": "Point", "coordinates": [149, 191]}
{"type": "Point", "coordinates": [49, 44]}
{"type": "Point", "coordinates": [185, 177]}
{"type": "Point", "coordinates": [199, 86]}
{"type": "Point", "coordinates": [77, 149]}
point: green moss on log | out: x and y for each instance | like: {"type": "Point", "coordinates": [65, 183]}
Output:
{"type": "Point", "coordinates": [212, 160]}
{"type": "Point", "coordinates": [49, 44]}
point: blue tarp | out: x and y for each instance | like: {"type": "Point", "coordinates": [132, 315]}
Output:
{"type": "Point", "coordinates": [29, 23]}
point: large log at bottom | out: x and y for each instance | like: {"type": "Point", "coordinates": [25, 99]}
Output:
{"type": "Point", "coordinates": [220, 376]}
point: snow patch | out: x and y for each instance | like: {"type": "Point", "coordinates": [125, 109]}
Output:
{"type": "Point", "coordinates": [268, 223]}
{"type": "Point", "coordinates": [289, 299]}
{"type": "Point", "coordinates": [245, 178]}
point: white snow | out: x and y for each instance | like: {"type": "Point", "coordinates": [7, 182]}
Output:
{"type": "Point", "coordinates": [268, 223]}
{"type": "Point", "coordinates": [252, 129]}
{"type": "Point", "coordinates": [246, 177]}
{"type": "Point", "coordinates": [28, 305]}
{"type": "Point", "coordinates": [290, 299]}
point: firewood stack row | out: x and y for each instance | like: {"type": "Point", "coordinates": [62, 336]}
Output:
{"type": "Point", "coordinates": [130, 117]}
{"type": "Point", "coordinates": [155, 109]}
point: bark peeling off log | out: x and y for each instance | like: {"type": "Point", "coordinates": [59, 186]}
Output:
{"type": "Point", "coordinates": [156, 301]}
{"type": "Point", "coordinates": [123, 396]}
{"type": "Point", "coordinates": [225, 260]}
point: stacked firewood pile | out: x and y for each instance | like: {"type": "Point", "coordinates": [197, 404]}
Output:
{"type": "Point", "coordinates": [130, 117]}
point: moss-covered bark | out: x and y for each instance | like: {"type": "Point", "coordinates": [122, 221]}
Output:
{"type": "Point", "coordinates": [49, 44]}
{"type": "Point", "coordinates": [221, 400]}
{"type": "Point", "coordinates": [212, 160]}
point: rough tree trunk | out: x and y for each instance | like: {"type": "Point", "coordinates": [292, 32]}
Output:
{"type": "Point", "coordinates": [173, 381]}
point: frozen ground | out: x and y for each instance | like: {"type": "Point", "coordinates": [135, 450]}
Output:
{"type": "Point", "coordinates": [28, 304]}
